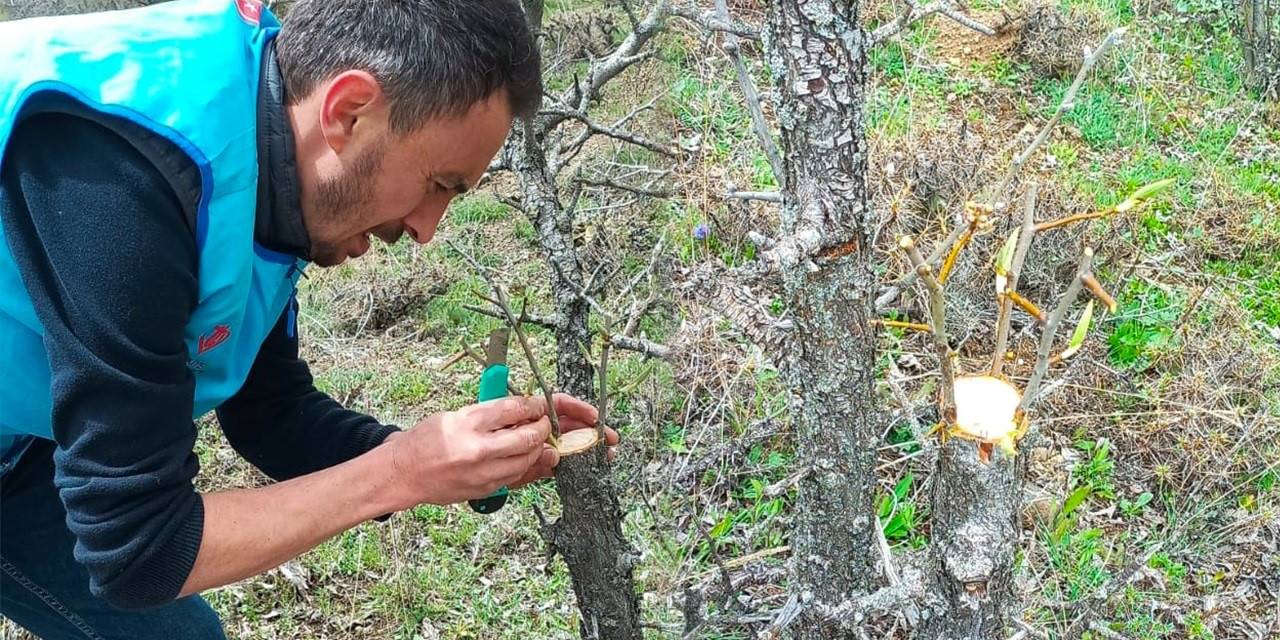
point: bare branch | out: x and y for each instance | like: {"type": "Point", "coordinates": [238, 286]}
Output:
{"type": "Point", "coordinates": [752, 97]}
{"type": "Point", "coordinates": [1025, 235]}
{"type": "Point", "coordinates": [1067, 104]}
{"type": "Point", "coordinates": [711, 22]}
{"type": "Point", "coordinates": [614, 132]}
{"type": "Point", "coordinates": [1051, 328]}
{"type": "Point", "coordinates": [606, 69]}
{"type": "Point", "coordinates": [763, 196]}
{"type": "Point", "coordinates": [631, 14]}
{"type": "Point", "coordinates": [915, 13]}
{"type": "Point", "coordinates": [938, 321]}
{"type": "Point", "coordinates": [548, 322]}
{"type": "Point", "coordinates": [641, 345]}
{"type": "Point", "coordinates": [638, 190]}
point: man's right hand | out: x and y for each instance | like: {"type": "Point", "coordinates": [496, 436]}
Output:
{"type": "Point", "coordinates": [469, 453]}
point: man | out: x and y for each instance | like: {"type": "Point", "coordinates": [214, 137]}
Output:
{"type": "Point", "coordinates": [166, 174]}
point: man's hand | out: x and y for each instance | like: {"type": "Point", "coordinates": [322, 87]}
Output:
{"type": "Point", "coordinates": [572, 414]}
{"type": "Point", "coordinates": [459, 455]}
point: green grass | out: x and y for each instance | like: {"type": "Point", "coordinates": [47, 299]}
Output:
{"type": "Point", "coordinates": [1143, 327]}
{"type": "Point", "coordinates": [1257, 284]}
{"type": "Point", "coordinates": [478, 209]}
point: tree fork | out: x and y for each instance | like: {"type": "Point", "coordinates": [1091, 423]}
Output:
{"type": "Point", "coordinates": [588, 534]}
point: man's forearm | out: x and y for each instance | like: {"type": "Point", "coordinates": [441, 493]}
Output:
{"type": "Point", "coordinates": [249, 531]}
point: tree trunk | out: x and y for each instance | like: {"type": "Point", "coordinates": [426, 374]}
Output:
{"type": "Point", "coordinates": [589, 532]}
{"type": "Point", "coordinates": [1260, 40]}
{"type": "Point", "coordinates": [817, 52]}
{"type": "Point", "coordinates": [975, 537]}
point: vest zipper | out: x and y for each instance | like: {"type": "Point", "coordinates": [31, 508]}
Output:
{"type": "Point", "coordinates": [291, 324]}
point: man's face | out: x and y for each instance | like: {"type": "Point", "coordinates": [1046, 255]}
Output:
{"type": "Point", "coordinates": [384, 184]}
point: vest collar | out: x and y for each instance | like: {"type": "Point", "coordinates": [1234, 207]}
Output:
{"type": "Point", "coordinates": [278, 224]}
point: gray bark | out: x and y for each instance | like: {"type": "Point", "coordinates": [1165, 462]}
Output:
{"type": "Point", "coordinates": [817, 53]}
{"type": "Point", "coordinates": [1260, 40]}
{"type": "Point", "coordinates": [975, 537]}
{"type": "Point", "coordinates": [588, 534]}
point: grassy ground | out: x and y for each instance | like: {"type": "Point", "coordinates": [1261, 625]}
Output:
{"type": "Point", "coordinates": [1157, 447]}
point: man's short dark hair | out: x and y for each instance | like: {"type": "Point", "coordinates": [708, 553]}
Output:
{"type": "Point", "coordinates": [434, 58]}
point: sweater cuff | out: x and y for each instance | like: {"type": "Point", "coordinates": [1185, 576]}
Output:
{"type": "Point", "coordinates": [158, 579]}
{"type": "Point", "coordinates": [386, 430]}
{"type": "Point", "coordinates": [372, 437]}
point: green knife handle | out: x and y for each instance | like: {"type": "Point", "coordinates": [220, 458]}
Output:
{"type": "Point", "coordinates": [493, 384]}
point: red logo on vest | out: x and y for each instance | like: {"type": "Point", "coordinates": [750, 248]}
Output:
{"type": "Point", "coordinates": [250, 11]}
{"type": "Point", "coordinates": [214, 338]}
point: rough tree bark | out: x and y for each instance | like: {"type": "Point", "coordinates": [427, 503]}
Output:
{"type": "Point", "coordinates": [817, 52]}
{"type": "Point", "coordinates": [589, 532]}
{"type": "Point", "coordinates": [1260, 40]}
{"type": "Point", "coordinates": [975, 536]}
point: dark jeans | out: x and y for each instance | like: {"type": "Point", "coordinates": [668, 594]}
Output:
{"type": "Point", "coordinates": [44, 589]}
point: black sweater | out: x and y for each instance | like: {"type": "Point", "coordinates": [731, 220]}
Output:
{"type": "Point", "coordinates": [98, 214]}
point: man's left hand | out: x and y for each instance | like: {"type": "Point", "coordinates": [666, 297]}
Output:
{"type": "Point", "coordinates": [572, 414]}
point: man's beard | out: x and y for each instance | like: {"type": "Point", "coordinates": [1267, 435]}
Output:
{"type": "Point", "coordinates": [339, 201]}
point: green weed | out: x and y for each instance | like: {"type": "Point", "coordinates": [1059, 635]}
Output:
{"type": "Point", "coordinates": [477, 208]}
{"type": "Point", "coordinates": [1144, 326]}
{"type": "Point", "coordinates": [898, 514]}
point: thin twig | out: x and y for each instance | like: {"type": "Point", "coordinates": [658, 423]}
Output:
{"type": "Point", "coordinates": [709, 21]}
{"type": "Point", "coordinates": [752, 98]}
{"type": "Point", "coordinates": [763, 196]}
{"type": "Point", "coordinates": [613, 184]}
{"type": "Point", "coordinates": [1067, 104]}
{"type": "Point", "coordinates": [937, 315]}
{"type": "Point", "coordinates": [1091, 283]}
{"type": "Point", "coordinates": [602, 400]}
{"type": "Point", "coordinates": [915, 13]}
{"type": "Point", "coordinates": [899, 324]}
{"type": "Point", "coordinates": [548, 322]}
{"type": "Point", "coordinates": [1026, 305]}
{"type": "Point", "coordinates": [1062, 222]}
{"type": "Point", "coordinates": [1051, 328]}
{"type": "Point", "coordinates": [501, 300]}
{"type": "Point", "coordinates": [614, 132]}
{"type": "Point", "coordinates": [1025, 234]}
{"type": "Point", "coordinates": [909, 277]}
{"type": "Point", "coordinates": [640, 345]}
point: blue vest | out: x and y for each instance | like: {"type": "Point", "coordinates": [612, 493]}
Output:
{"type": "Point", "coordinates": [188, 71]}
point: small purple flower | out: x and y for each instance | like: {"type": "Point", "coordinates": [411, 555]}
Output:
{"type": "Point", "coordinates": [701, 232]}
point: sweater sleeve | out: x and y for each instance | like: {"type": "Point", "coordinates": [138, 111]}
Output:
{"type": "Point", "coordinates": [282, 424]}
{"type": "Point", "coordinates": [108, 258]}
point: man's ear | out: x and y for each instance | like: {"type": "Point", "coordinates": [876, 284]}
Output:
{"type": "Point", "coordinates": [353, 101]}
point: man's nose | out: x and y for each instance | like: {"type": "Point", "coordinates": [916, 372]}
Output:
{"type": "Point", "coordinates": [421, 225]}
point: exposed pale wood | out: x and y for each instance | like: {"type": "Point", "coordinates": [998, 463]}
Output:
{"type": "Point", "coordinates": [577, 441]}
